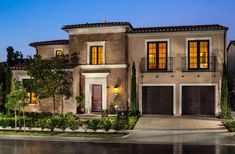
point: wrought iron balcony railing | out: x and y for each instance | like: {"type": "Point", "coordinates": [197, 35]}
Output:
{"type": "Point", "coordinates": [199, 64]}
{"type": "Point", "coordinates": [146, 67]}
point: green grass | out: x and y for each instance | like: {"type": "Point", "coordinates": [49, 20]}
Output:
{"type": "Point", "coordinates": [93, 135]}
{"type": "Point", "coordinates": [64, 134]}
{"type": "Point", "coordinates": [27, 133]}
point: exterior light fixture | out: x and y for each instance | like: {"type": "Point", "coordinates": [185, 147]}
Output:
{"type": "Point", "coordinates": [116, 89]}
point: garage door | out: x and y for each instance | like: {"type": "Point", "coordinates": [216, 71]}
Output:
{"type": "Point", "coordinates": [198, 100]}
{"type": "Point", "coordinates": [157, 100]}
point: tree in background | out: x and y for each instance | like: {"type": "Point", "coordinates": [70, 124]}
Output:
{"type": "Point", "coordinates": [50, 78]}
{"type": "Point", "coordinates": [133, 90]}
{"type": "Point", "coordinates": [17, 99]}
{"type": "Point", "coordinates": [13, 57]}
{"type": "Point", "coordinates": [10, 55]}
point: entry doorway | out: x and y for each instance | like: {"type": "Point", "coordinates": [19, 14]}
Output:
{"type": "Point", "coordinates": [96, 98]}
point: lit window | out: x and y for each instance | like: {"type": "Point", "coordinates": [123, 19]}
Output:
{"type": "Point", "coordinates": [97, 55]}
{"type": "Point", "coordinates": [157, 55]}
{"type": "Point", "coordinates": [59, 53]}
{"type": "Point", "coordinates": [32, 98]}
{"type": "Point", "coordinates": [198, 54]}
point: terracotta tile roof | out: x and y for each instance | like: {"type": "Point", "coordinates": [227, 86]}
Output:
{"type": "Point", "coordinates": [51, 42]}
{"type": "Point", "coordinates": [179, 28]}
{"type": "Point", "coordinates": [232, 42]}
{"type": "Point", "coordinates": [104, 24]}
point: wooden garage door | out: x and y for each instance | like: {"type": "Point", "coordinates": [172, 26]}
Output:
{"type": "Point", "coordinates": [157, 100]}
{"type": "Point", "coordinates": [198, 100]}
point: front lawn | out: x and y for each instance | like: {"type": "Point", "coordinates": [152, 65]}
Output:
{"type": "Point", "coordinates": [65, 134]}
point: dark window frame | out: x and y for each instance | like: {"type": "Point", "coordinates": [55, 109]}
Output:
{"type": "Point", "coordinates": [157, 56]}
{"type": "Point", "coordinates": [198, 55]}
{"type": "Point", "coordinates": [97, 53]}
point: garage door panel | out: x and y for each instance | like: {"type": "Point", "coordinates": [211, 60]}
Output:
{"type": "Point", "coordinates": [198, 100]}
{"type": "Point", "coordinates": [208, 99]}
{"type": "Point", "coordinates": [191, 99]}
{"type": "Point", "coordinates": [157, 99]}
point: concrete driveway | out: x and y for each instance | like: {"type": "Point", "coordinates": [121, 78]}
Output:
{"type": "Point", "coordinates": [162, 122]}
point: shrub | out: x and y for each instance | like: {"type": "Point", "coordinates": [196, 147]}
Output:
{"type": "Point", "coordinates": [71, 121]}
{"type": "Point", "coordinates": [53, 122]}
{"type": "Point", "coordinates": [43, 123]}
{"type": "Point", "coordinates": [132, 121]}
{"type": "Point", "coordinates": [230, 125]}
{"type": "Point", "coordinates": [30, 122]}
{"type": "Point", "coordinates": [73, 125]}
{"type": "Point", "coordinates": [225, 112]}
{"type": "Point", "coordinates": [105, 124]}
{"type": "Point", "coordinates": [121, 121]}
{"type": "Point", "coordinates": [93, 124]}
{"type": "Point", "coordinates": [62, 123]}
{"type": "Point", "coordinates": [8, 122]}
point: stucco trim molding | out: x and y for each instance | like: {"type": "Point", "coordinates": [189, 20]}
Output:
{"type": "Point", "coordinates": [216, 85]}
{"type": "Point", "coordinates": [174, 95]}
{"type": "Point", "coordinates": [97, 30]}
{"type": "Point", "coordinates": [95, 78]}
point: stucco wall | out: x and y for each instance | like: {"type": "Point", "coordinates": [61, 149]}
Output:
{"type": "Point", "coordinates": [115, 51]}
{"type": "Point", "coordinates": [177, 48]}
{"type": "Point", "coordinates": [46, 105]}
{"type": "Point", "coordinates": [48, 51]}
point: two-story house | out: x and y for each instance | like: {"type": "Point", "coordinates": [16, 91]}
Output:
{"type": "Point", "coordinates": [178, 67]}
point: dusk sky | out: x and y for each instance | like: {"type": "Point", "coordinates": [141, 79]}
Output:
{"type": "Point", "coordinates": [26, 21]}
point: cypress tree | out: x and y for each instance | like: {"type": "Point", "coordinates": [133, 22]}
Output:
{"type": "Point", "coordinates": [225, 107]}
{"type": "Point", "coordinates": [133, 89]}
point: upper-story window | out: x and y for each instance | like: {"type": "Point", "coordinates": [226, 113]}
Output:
{"type": "Point", "coordinates": [59, 52]}
{"type": "Point", "coordinates": [97, 55]}
{"type": "Point", "coordinates": [32, 98]}
{"type": "Point", "coordinates": [198, 54]}
{"type": "Point", "coordinates": [157, 55]}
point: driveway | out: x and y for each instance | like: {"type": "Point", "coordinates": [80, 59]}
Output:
{"type": "Point", "coordinates": [162, 122]}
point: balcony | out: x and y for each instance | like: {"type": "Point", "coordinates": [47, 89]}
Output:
{"type": "Point", "coordinates": [144, 68]}
{"type": "Point", "coordinates": [204, 67]}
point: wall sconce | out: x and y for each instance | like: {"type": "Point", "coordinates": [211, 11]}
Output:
{"type": "Point", "coordinates": [116, 89]}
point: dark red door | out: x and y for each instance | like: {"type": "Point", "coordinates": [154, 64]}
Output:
{"type": "Point", "coordinates": [96, 97]}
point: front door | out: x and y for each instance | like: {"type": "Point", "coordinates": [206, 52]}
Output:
{"type": "Point", "coordinates": [96, 98]}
